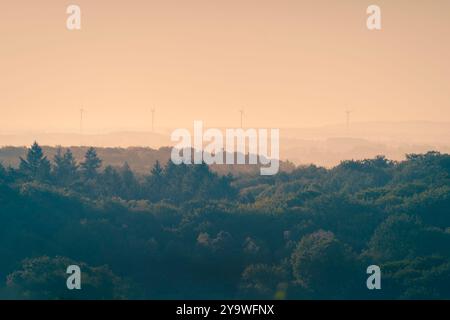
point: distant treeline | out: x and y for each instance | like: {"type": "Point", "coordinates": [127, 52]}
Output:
{"type": "Point", "coordinates": [188, 232]}
{"type": "Point", "coordinates": [140, 159]}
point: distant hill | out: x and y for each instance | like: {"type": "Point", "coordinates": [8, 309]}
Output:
{"type": "Point", "coordinates": [413, 132]}
{"type": "Point", "coordinates": [325, 146]}
{"type": "Point", "coordinates": [114, 139]}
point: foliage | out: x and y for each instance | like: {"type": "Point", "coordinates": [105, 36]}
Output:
{"type": "Point", "coordinates": [188, 232]}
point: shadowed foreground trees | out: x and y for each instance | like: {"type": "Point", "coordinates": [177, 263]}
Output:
{"type": "Point", "coordinates": [45, 278]}
{"type": "Point", "coordinates": [324, 265]}
{"type": "Point", "coordinates": [187, 232]}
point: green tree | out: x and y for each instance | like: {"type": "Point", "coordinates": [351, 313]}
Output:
{"type": "Point", "coordinates": [421, 278]}
{"type": "Point", "coordinates": [154, 183]}
{"type": "Point", "coordinates": [398, 237]}
{"type": "Point", "coordinates": [35, 166]}
{"type": "Point", "coordinates": [2, 172]}
{"type": "Point", "coordinates": [264, 281]}
{"type": "Point", "coordinates": [110, 182]}
{"type": "Point", "coordinates": [91, 164]}
{"type": "Point", "coordinates": [45, 278]}
{"type": "Point", "coordinates": [65, 167]}
{"type": "Point", "coordinates": [324, 265]}
{"type": "Point", "coordinates": [129, 182]}
{"type": "Point", "coordinates": [157, 171]}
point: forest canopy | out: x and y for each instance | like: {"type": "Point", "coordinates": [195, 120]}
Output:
{"type": "Point", "coordinates": [186, 231]}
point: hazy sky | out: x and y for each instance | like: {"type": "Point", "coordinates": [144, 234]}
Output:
{"type": "Point", "coordinates": [288, 63]}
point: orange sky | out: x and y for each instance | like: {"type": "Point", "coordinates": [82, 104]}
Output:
{"type": "Point", "coordinates": [289, 63]}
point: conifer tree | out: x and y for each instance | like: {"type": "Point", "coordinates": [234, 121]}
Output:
{"type": "Point", "coordinates": [154, 184]}
{"type": "Point", "coordinates": [35, 166]}
{"type": "Point", "coordinates": [129, 182]}
{"type": "Point", "coordinates": [91, 164]}
{"type": "Point", "coordinates": [65, 168]}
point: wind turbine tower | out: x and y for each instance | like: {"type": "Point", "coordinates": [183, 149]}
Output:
{"type": "Point", "coordinates": [347, 113]}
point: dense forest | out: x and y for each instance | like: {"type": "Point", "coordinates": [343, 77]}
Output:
{"type": "Point", "coordinates": [189, 232]}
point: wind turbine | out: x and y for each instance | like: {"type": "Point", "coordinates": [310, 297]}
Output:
{"type": "Point", "coordinates": [347, 113]}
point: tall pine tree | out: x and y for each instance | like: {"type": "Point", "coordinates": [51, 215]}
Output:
{"type": "Point", "coordinates": [91, 164]}
{"type": "Point", "coordinates": [154, 183]}
{"type": "Point", "coordinates": [65, 170]}
{"type": "Point", "coordinates": [35, 166]}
